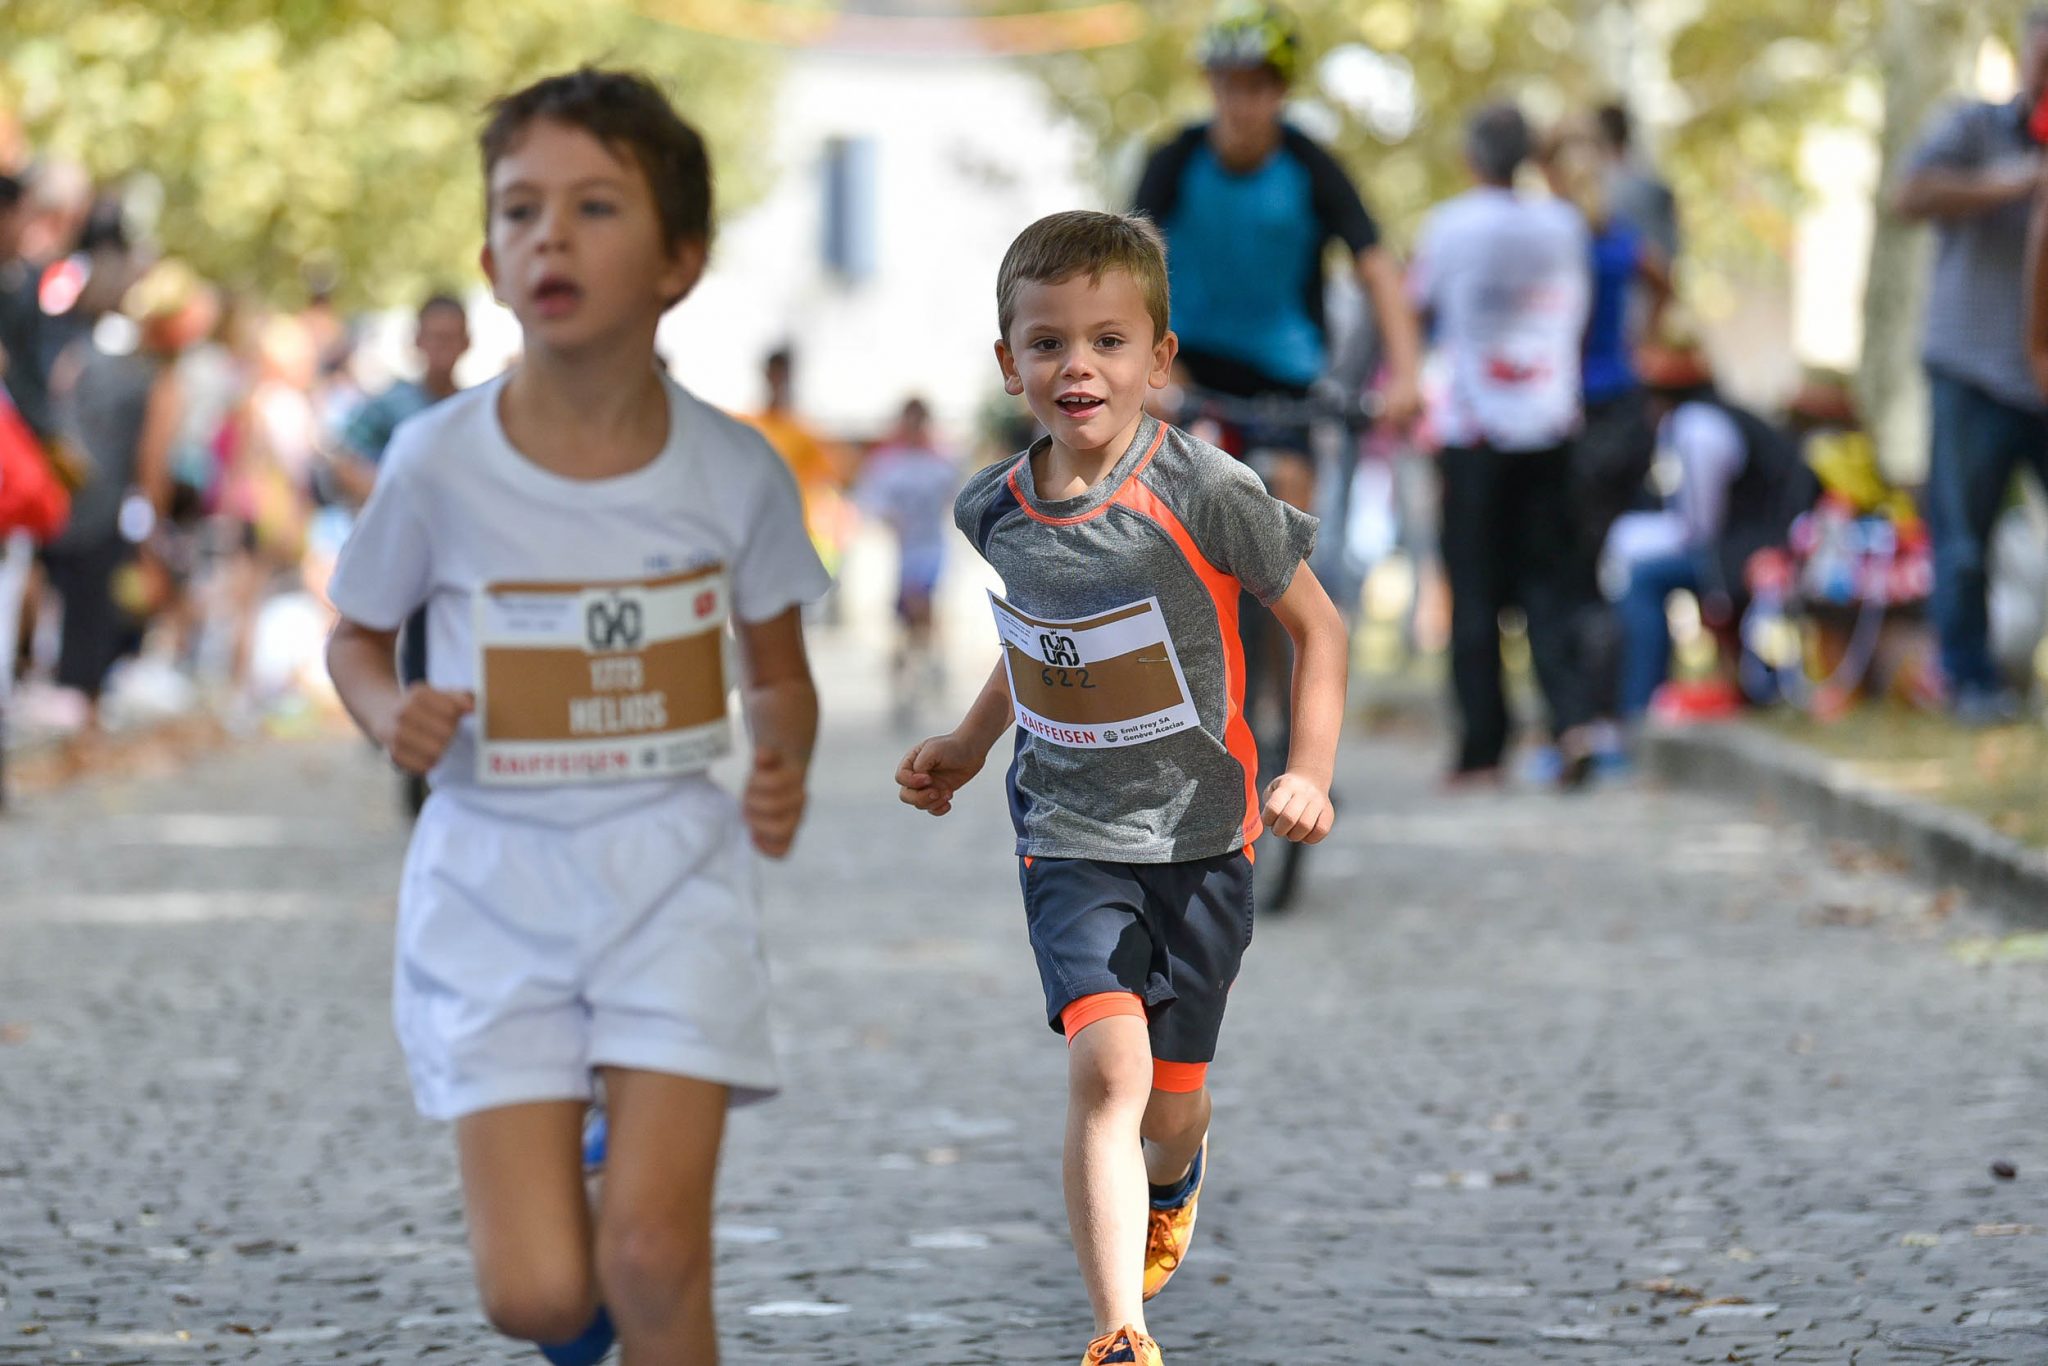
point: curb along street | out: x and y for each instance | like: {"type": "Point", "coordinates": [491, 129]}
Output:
{"type": "Point", "coordinates": [1938, 844]}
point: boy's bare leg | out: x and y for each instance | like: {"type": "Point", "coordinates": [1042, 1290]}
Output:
{"type": "Point", "coordinates": [1109, 1079]}
{"type": "Point", "coordinates": [529, 1220]}
{"type": "Point", "coordinates": [654, 1215]}
{"type": "Point", "coordinates": [1174, 1124]}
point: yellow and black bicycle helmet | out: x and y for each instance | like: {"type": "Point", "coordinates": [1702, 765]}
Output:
{"type": "Point", "coordinates": [1248, 33]}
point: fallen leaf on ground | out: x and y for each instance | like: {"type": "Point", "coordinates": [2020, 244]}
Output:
{"type": "Point", "coordinates": [2004, 1230]}
{"type": "Point", "coordinates": [13, 1033]}
{"type": "Point", "coordinates": [1858, 858]}
{"type": "Point", "coordinates": [1464, 1181]}
{"type": "Point", "coordinates": [1981, 950]}
{"type": "Point", "coordinates": [2023, 948]}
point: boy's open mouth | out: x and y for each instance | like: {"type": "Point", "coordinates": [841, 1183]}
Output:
{"type": "Point", "coordinates": [1079, 405]}
{"type": "Point", "coordinates": [555, 296]}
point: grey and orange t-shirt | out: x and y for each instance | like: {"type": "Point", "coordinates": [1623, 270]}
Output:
{"type": "Point", "coordinates": [1119, 621]}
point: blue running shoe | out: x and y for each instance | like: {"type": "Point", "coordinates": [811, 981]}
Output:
{"type": "Point", "coordinates": [588, 1350]}
{"type": "Point", "coordinates": [1543, 767]}
{"type": "Point", "coordinates": [1612, 766]}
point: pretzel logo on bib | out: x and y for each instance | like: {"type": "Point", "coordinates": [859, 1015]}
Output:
{"type": "Point", "coordinates": [1098, 682]}
{"type": "Point", "coordinates": [614, 623]}
{"type": "Point", "coordinates": [600, 682]}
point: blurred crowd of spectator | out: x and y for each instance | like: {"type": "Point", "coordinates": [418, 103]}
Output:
{"type": "Point", "coordinates": [179, 463]}
{"type": "Point", "coordinates": [197, 454]}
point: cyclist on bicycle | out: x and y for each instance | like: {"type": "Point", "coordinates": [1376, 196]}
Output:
{"type": "Point", "coordinates": [1248, 203]}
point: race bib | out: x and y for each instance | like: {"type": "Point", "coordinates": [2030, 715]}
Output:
{"type": "Point", "coordinates": [1099, 682]}
{"type": "Point", "coordinates": [581, 683]}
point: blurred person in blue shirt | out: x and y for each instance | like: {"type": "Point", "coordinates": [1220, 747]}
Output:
{"type": "Point", "coordinates": [1614, 451]}
{"type": "Point", "coordinates": [442, 339]}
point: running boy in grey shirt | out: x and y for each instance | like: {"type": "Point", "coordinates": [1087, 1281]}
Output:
{"type": "Point", "coordinates": [1124, 546]}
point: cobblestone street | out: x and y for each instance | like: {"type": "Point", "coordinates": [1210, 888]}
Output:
{"type": "Point", "coordinates": [1632, 1077]}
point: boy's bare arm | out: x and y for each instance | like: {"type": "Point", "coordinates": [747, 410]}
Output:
{"type": "Point", "coordinates": [781, 700]}
{"type": "Point", "coordinates": [992, 714]}
{"type": "Point", "coordinates": [354, 474]}
{"type": "Point", "coordinates": [937, 768]}
{"type": "Point", "coordinates": [359, 660]}
{"type": "Point", "coordinates": [1943, 194]}
{"type": "Point", "coordinates": [413, 725]}
{"type": "Point", "coordinates": [1298, 802]}
{"type": "Point", "coordinates": [782, 713]}
{"type": "Point", "coordinates": [1400, 333]}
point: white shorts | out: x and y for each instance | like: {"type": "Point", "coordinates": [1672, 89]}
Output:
{"type": "Point", "coordinates": [529, 955]}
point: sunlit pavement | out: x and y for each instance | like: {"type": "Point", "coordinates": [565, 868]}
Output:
{"type": "Point", "coordinates": [1623, 1078]}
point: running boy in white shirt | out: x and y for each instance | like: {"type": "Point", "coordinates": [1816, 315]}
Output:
{"type": "Point", "coordinates": [578, 901]}
{"type": "Point", "coordinates": [1125, 546]}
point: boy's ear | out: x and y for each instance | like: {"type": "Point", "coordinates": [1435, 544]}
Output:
{"type": "Point", "coordinates": [489, 263]}
{"type": "Point", "coordinates": [1163, 353]}
{"type": "Point", "coordinates": [1013, 383]}
{"type": "Point", "coordinates": [686, 263]}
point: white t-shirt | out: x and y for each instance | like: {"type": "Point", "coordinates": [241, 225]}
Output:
{"type": "Point", "coordinates": [457, 508]}
{"type": "Point", "coordinates": [1508, 282]}
{"type": "Point", "coordinates": [911, 489]}
{"type": "Point", "coordinates": [1700, 455]}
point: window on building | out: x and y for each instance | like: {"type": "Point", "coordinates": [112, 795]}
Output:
{"type": "Point", "coordinates": [849, 243]}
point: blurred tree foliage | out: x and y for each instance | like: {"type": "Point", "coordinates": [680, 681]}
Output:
{"type": "Point", "coordinates": [1747, 76]}
{"type": "Point", "coordinates": [336, 134]}
{"type": "Point", "coordinates": [1756, 74]}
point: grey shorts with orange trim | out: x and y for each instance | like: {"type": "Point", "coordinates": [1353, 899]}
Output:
{"type": "Point", "coordinates": [1173, 934]}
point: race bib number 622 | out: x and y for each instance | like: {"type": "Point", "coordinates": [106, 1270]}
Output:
{"type": "Point", "coordinates": [1097, 682]}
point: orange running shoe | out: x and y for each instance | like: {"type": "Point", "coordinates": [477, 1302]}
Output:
{"type": "Point", "coordinates": [1126, 1345]}
{"type": "Point", "coordinates": [1173, 1228]}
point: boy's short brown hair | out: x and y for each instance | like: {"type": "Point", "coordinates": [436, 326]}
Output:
{"type": "Point", "coordinates": [626, 112]}
{"type": "Point", "coordinates": [1060, 246]}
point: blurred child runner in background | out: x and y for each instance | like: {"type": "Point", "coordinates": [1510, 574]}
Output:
{"type": "Point", "coordinates": [908, 484]}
